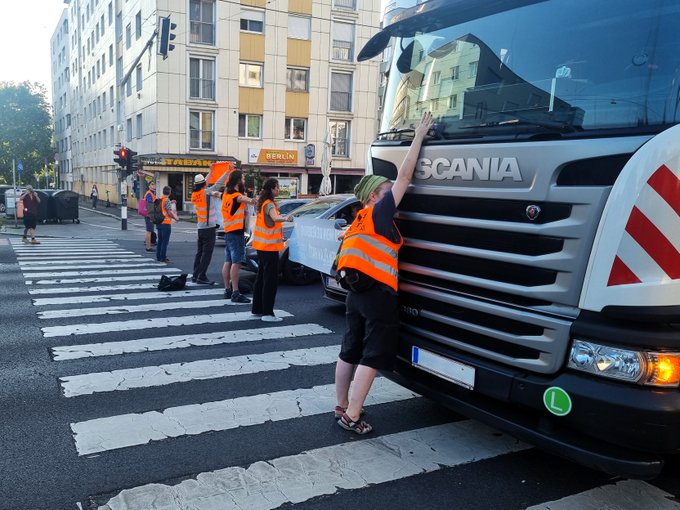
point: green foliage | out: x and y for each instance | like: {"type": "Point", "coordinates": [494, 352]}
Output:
{"type": "Point", "coordinates": [25, 130]}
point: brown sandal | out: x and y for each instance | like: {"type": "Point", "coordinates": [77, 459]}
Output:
{"type": "Point", "coordinates": [339, 411]}
{"type": "Point", "coordinates": [358, 427]}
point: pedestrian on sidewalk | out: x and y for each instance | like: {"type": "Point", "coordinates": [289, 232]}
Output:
{"type": "Point", "coordinates": [165, 228]}
{"type": "Point", "coordinates": [30, 200]}
{"type": "Point", "coordinates": [203, 198]}
{"type": "Point", "coordinates": [367, 266]}
{"type": "Point", "coordinates": [268, 241]}
{"type": "Point", "coordinates": [94, 195]}
{"type": "Point", "coordinates": [234, 203]}
{"type": "Point", "coordinates": [145, 210]}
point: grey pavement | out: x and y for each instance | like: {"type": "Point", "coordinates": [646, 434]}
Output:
{"type": "Point", "coordinates": [100, 223]}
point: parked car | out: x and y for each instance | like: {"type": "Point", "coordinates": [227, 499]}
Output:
{"type": "Point", "coordinates": [337, 207]}
{"type": "Point", "coordinates": [288, 205]}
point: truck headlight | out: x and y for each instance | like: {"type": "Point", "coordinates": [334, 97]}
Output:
{"type": "Point", "coordinates": [641, 367]}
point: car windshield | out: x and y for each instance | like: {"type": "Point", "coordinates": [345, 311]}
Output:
{"type": "Point", "coordinates": [318, 207]}
{"type": "Point", "coordinates": [564, 66]}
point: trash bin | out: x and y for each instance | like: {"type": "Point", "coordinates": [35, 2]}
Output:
{"type": "Point", "coordinates": [45, 212]}
{"type": "Point", "coordinates": [65, 204]}
{"type": "Point", "coordinates": [11, 197]}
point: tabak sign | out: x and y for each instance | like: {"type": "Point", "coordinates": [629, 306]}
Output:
{"type": "Point", "coordinates": [273, 156]}
{"type": "Point", "coordinates": [169, 161]}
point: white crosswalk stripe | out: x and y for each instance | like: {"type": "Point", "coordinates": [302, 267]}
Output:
{"type": "Point", "coordinates": [121, 431]}
{"type": "Point", "coordinates": [136, 296]}
{"type": "Point", "coordinates": [70, 281]}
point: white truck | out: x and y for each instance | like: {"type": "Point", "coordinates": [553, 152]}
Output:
{"type": "Point", "coordinates": [540, 276]}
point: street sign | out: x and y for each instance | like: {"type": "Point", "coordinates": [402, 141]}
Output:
{"type": "Point", "coordinates": [20, 166]}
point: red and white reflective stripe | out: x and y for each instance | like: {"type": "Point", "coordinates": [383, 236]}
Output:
{"type": "Point", "coordinates": [650, 248]}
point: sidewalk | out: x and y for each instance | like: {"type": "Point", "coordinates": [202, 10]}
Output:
{"type": "Point", "coordinates": [100, 223]}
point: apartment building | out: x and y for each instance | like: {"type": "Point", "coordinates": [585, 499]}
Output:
{"type": "Point", "coordinates": [265, 84]}
{"type": "Point", "coordinates": [61, 100]}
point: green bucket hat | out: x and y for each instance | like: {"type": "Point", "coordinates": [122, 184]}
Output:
{"type": "Point", "coordinates": [367, 185]}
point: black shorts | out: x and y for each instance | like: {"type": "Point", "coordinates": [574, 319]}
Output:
{"type": "Point", "coordinates": [30, 220]}
{"type": "Point", "coordinates": [372, 330]}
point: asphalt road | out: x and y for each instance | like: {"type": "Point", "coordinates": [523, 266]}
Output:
{"type": "Point", "coordinates": [107, 386]}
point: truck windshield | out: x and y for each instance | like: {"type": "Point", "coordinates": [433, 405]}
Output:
{"type": "Point", "coordinates": [563, 66]}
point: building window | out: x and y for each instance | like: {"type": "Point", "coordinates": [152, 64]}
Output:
{"type": "Point", "coordinates": [339, 131]}
{"type": "Point", "coordinates": [128, 87]}
{"type": "Point", "coordinates": [138, 125]}
{"type": "Point", "coordinates": [250, 126]}
{"type": "Point", "coordinates": [250, 75]}
{"type": "Point", "coordinates": [128, 129]}
{"type": "Point", "coordinates": [138, 77]}
{"type": "Point", "coordinates": [128, 36]}
{"type": "Point", "coordinates": [201, 78]}
{"type": "Point", "coordinates": [202, 21]}
{"type": "Point", "coordinates": [341, 92]}
{"type": "Point", "coordinates": [453, 102]}
{"type": "Point", "coordinates": [110, 55]}
{"type": "Point", "coordinates": [110, 13]}
{"type": "Point", "coordinates": [295, 129]}
{"type": "Point", "coordinates": [299, 27]}
{"type": "Point", "coordinates": [119, 26]}
{"type": "Point", "coordinates": [472, 69]}
{"type": "Point", "coordinates": [138, 25]}
{"type": "Point", "coordinates": [111, 96]}
{"type": "Point", "coordinates": [455, 73]}
{"type": "Point", "coordinates": [343, 41]}
{"type": "Point", "coordinates": [297, 79]}
{"type": "Point", "coordinates": [201, 130]}
{"type": "Point", "coordinates": [252, 21]}
{"type": "Point", "coordinates": [345, 4]}
{"type": "Point", "coordinates": [103, 100]}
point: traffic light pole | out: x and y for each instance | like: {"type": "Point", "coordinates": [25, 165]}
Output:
{"type": "Point", "coordinates": [123, 200]}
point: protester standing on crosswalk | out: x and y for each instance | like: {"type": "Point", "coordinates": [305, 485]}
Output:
{"type": "Point", "coordinates": [367, 265]}
{"type": "Point", "coordinates": [203, 198]}
{"type": "Point", "coordinates": [165, 228]}
{"type": "Point", "coordinates": [234, 203]}
{"type": "Point", "coordinates": [148, 199]}
{"type": "Point", "coordinates": [268, 241]}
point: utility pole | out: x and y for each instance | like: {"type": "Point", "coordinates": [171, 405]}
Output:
{"type": "Point", "coordinates": [16, 202]}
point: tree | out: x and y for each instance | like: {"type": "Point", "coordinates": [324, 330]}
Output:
{"type": "Point", "coordinates": [25, 129]}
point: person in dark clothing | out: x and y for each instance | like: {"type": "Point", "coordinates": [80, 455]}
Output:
{"type": "Point", "coordinates": [30, 200]}
{"type": "Point", "coordinates": [268, 241]}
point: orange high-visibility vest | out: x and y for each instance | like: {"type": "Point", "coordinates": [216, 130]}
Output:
{"type": "Point", "coordinates": [234, 221]}
{"type": "Point", "coordinates": [166, 215]}
{"type": "Point", "coordinates": [267, 238]}
{"type": "Point", "coordinates": [372, 254]}
{"type": "Point", "coordinates": [201, 205]}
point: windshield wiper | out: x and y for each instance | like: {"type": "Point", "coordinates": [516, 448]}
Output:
{"type": "Point", "coordinates": [432, 133]}
{"type": "Point", "coordinates": [548, 124]}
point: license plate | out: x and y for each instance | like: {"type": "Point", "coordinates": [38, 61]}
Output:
{"type": "Point", "coordinates": [332, 284]}
{"type": "Point", "coordinates": [457, 373]}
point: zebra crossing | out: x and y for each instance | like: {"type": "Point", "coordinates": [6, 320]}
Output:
{"type": "Point", "coordinates": [102, 316]}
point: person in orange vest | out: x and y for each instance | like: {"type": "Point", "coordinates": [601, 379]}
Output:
{"type": "Point", "coordinates": [165, 228]}
{"type": "Point", "coordinates": [234, 219]}
{"type": "Point", "coordinates": [268, 241]}
{"type": "Point", "coordinates": [367, 268]}
{"type": "Point", "coordinates": [206, 222]}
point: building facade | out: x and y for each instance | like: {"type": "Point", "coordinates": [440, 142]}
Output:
{"type": "Point", "coordinates": [268, 85]}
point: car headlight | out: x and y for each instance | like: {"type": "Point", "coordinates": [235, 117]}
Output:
{"type": "Point", "coordinates": [640, 367]}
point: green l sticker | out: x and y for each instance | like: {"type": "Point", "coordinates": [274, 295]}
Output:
{"type": "Point", "coordinates": [557, 401]}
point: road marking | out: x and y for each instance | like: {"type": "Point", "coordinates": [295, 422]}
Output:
{"type": "Point", "coordinates": [114, 432]}
{"type": "Point", "coordinates": [100, 288]}
{"type": "Point", "coordinates": [120, 309]}
{"type": "Point", "coordinates": [87, 262]}
{"type": "Point", "coordinates": [135, 296]}
{"type": "Point", "coordinates": [59, 274]}
{"type": "Point", "coordinates": [115, 264]}
{"type": "Point", "coordinates": [84, 251]}
{"type": "Point", "coordinates": [69, 352]}
{"type": "Point", "coordinates": [152, 322]}
{"type": "Point", "coordinates": [352, 465]}
{"type": "Point", "coordinates": [68, 281]}
{"type": "Point", "coordinates": [75, 258]}
{"type": "Point", "coordinates": [618, 496]}
{"type": "Point", "coordinates": [162, 375]}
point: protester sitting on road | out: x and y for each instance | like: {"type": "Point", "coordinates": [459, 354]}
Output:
{"type": "Point", "coordinates": [149, 198]}
{"type": "Point", "coordinates": [165, 228]}
{"type": "Point", "coordinates": [233, 215]}
{"type": "Point", "coordinates": [367, 266]}
{"type": "Point", "coordinates": [30, 201]}
{"type": "Point", "coordinates": [206, 222]}
{"type": "Point", "coordinates": [268, 241]}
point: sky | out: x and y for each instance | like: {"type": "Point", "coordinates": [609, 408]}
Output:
{"type": "Point", "coordinates": [26, 27]}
